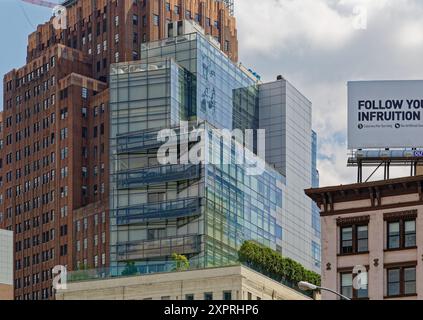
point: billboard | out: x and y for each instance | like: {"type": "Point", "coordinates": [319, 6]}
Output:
{"type": "Point", "coordinates": [385, 114]}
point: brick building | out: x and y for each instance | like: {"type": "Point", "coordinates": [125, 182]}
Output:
{"type": "Point", "coordinates": [54, 154]}
{"type": "Point", "coordinates": [375, 228]}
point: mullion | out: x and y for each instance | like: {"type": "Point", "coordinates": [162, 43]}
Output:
{"type": "Point", "coordinates": [402, 234]}
{"type": "Point", "coordinates": [402, 284]}
{"type": "Point", "coordinates": [354, 239]}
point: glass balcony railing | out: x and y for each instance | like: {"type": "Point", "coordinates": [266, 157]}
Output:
{"type": "Point", "coordinates": [142, 177]}
{"type": "Point", "coordinates": [139, 142]}
{"type": "Point", "coordinates": [186, 245]}
{"type": "Point", "coordinates": [141, 268]}
{"type": "Point", "coordinates": [173, 209]}
{"type": "Point", "coordinates": [145, 140]}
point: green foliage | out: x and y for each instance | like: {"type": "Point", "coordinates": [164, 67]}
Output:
{"type": "Point", "coordinates": [181, 262]}
{"type": "Point", "coordinates": [272, 263]}
{"type": "Point", "coordinates": [130, 269]}
{"type": "Point", "coordinates": [80, 274]}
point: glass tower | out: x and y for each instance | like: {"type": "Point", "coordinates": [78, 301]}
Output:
{"type": "Point", "coordinates": [316, 248]}
{"type": "Point", "coordinates": [204, 210]}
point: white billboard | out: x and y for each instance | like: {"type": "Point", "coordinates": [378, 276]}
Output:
{"type": "Point", "coordinates": [385, 114]}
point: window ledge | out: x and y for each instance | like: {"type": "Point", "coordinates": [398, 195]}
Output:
{"type": "Point", "coordinates": [400, 249]}
{"type": "Point", "coordinates": [401, 296]}
{"type": "Point", "coordinates": [353, 254]}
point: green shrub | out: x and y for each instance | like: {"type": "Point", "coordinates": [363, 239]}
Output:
{"type": "Point", "coordinates": [271, 262]}
{"type": "Point", "coordinates": [181, 262]}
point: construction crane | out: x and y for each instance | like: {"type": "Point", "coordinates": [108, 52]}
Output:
{"type": "Point", "coordinates": [42, 3]}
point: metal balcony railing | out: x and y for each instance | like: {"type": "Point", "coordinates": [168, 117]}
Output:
{"type": "Point", "coordinates": [160, 174]}
{"type": "Point", "coordinates": [186, 245]}
{"type": "Point", "coordinates": [188, 207]}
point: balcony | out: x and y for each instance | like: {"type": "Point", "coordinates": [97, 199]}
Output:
{"type": "Point", "coordinates": [144, 140]}
{"type": "Point", "coordinates": [161, 174]}
{"type": "Point", "coordinates": [186, 245]}
{"type": "Point", "coordinates": [184, 208]}
{"type": "Point", "coordinates": [137, 143]}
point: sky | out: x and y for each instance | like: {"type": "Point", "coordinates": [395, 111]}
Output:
{"type": "Point", "coordinates": [317, 45]}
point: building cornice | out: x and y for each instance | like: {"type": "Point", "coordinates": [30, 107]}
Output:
{"type": "Point", "coordinates": [327, 197]}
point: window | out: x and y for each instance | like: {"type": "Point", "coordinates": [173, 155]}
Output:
{"type": "Point", "coordinates": [347, 285]}
{"type": "Point", "coordinates": [393, 235]}
{"type": "Point", "coordinates": [315, 251]}
{"type": "Point", "coordinates": [154, 234]}
{"type": "Point", "coordinates": [362, 238]}
{"type": "Point", "coordinates": [278, 232]}
{"type": "Point", "coordinates": [84, 93]}
{"type": "Point", "coordinates": [401, 281]}
{"type": "Point", "coordinates": [227, 46]}
{"type": "Point", "coordinates": [347, 240]}
{"type": "Point", "coordinates": [208, 296]}
{"type": "Point", "coordinates": [409, 233]}
{"type": "Point", "coordinates": [156, 19]}
{"type": "Point", "coordinates": [227, 295]}
{"type": "Point", "coordinates": [189, 297]}
{"type": "Point", "coordinates": [347, 288]}
{"type": "Point", "coordinates": [401, 234]}
{"type": "Point", "coordinates": [354, 239]}
{"type": "Point", "coordinates": [135, 20]}
{"type": "Point", "coordinates": [409, 280]}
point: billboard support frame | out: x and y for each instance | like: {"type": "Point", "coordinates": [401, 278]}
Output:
{"type": "Point", "coordinates": [386, 162]}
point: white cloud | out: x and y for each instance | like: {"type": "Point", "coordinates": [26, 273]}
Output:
{"type": "Point", "coordinates": [290, 24]}
{"type": "Point", "coordinates": [313, 43]}
{"type": "Point", "coordinates": [410, 35]}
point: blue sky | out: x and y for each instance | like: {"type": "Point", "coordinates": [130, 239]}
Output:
{"type": "Point", "coordinates": [17, 20]}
